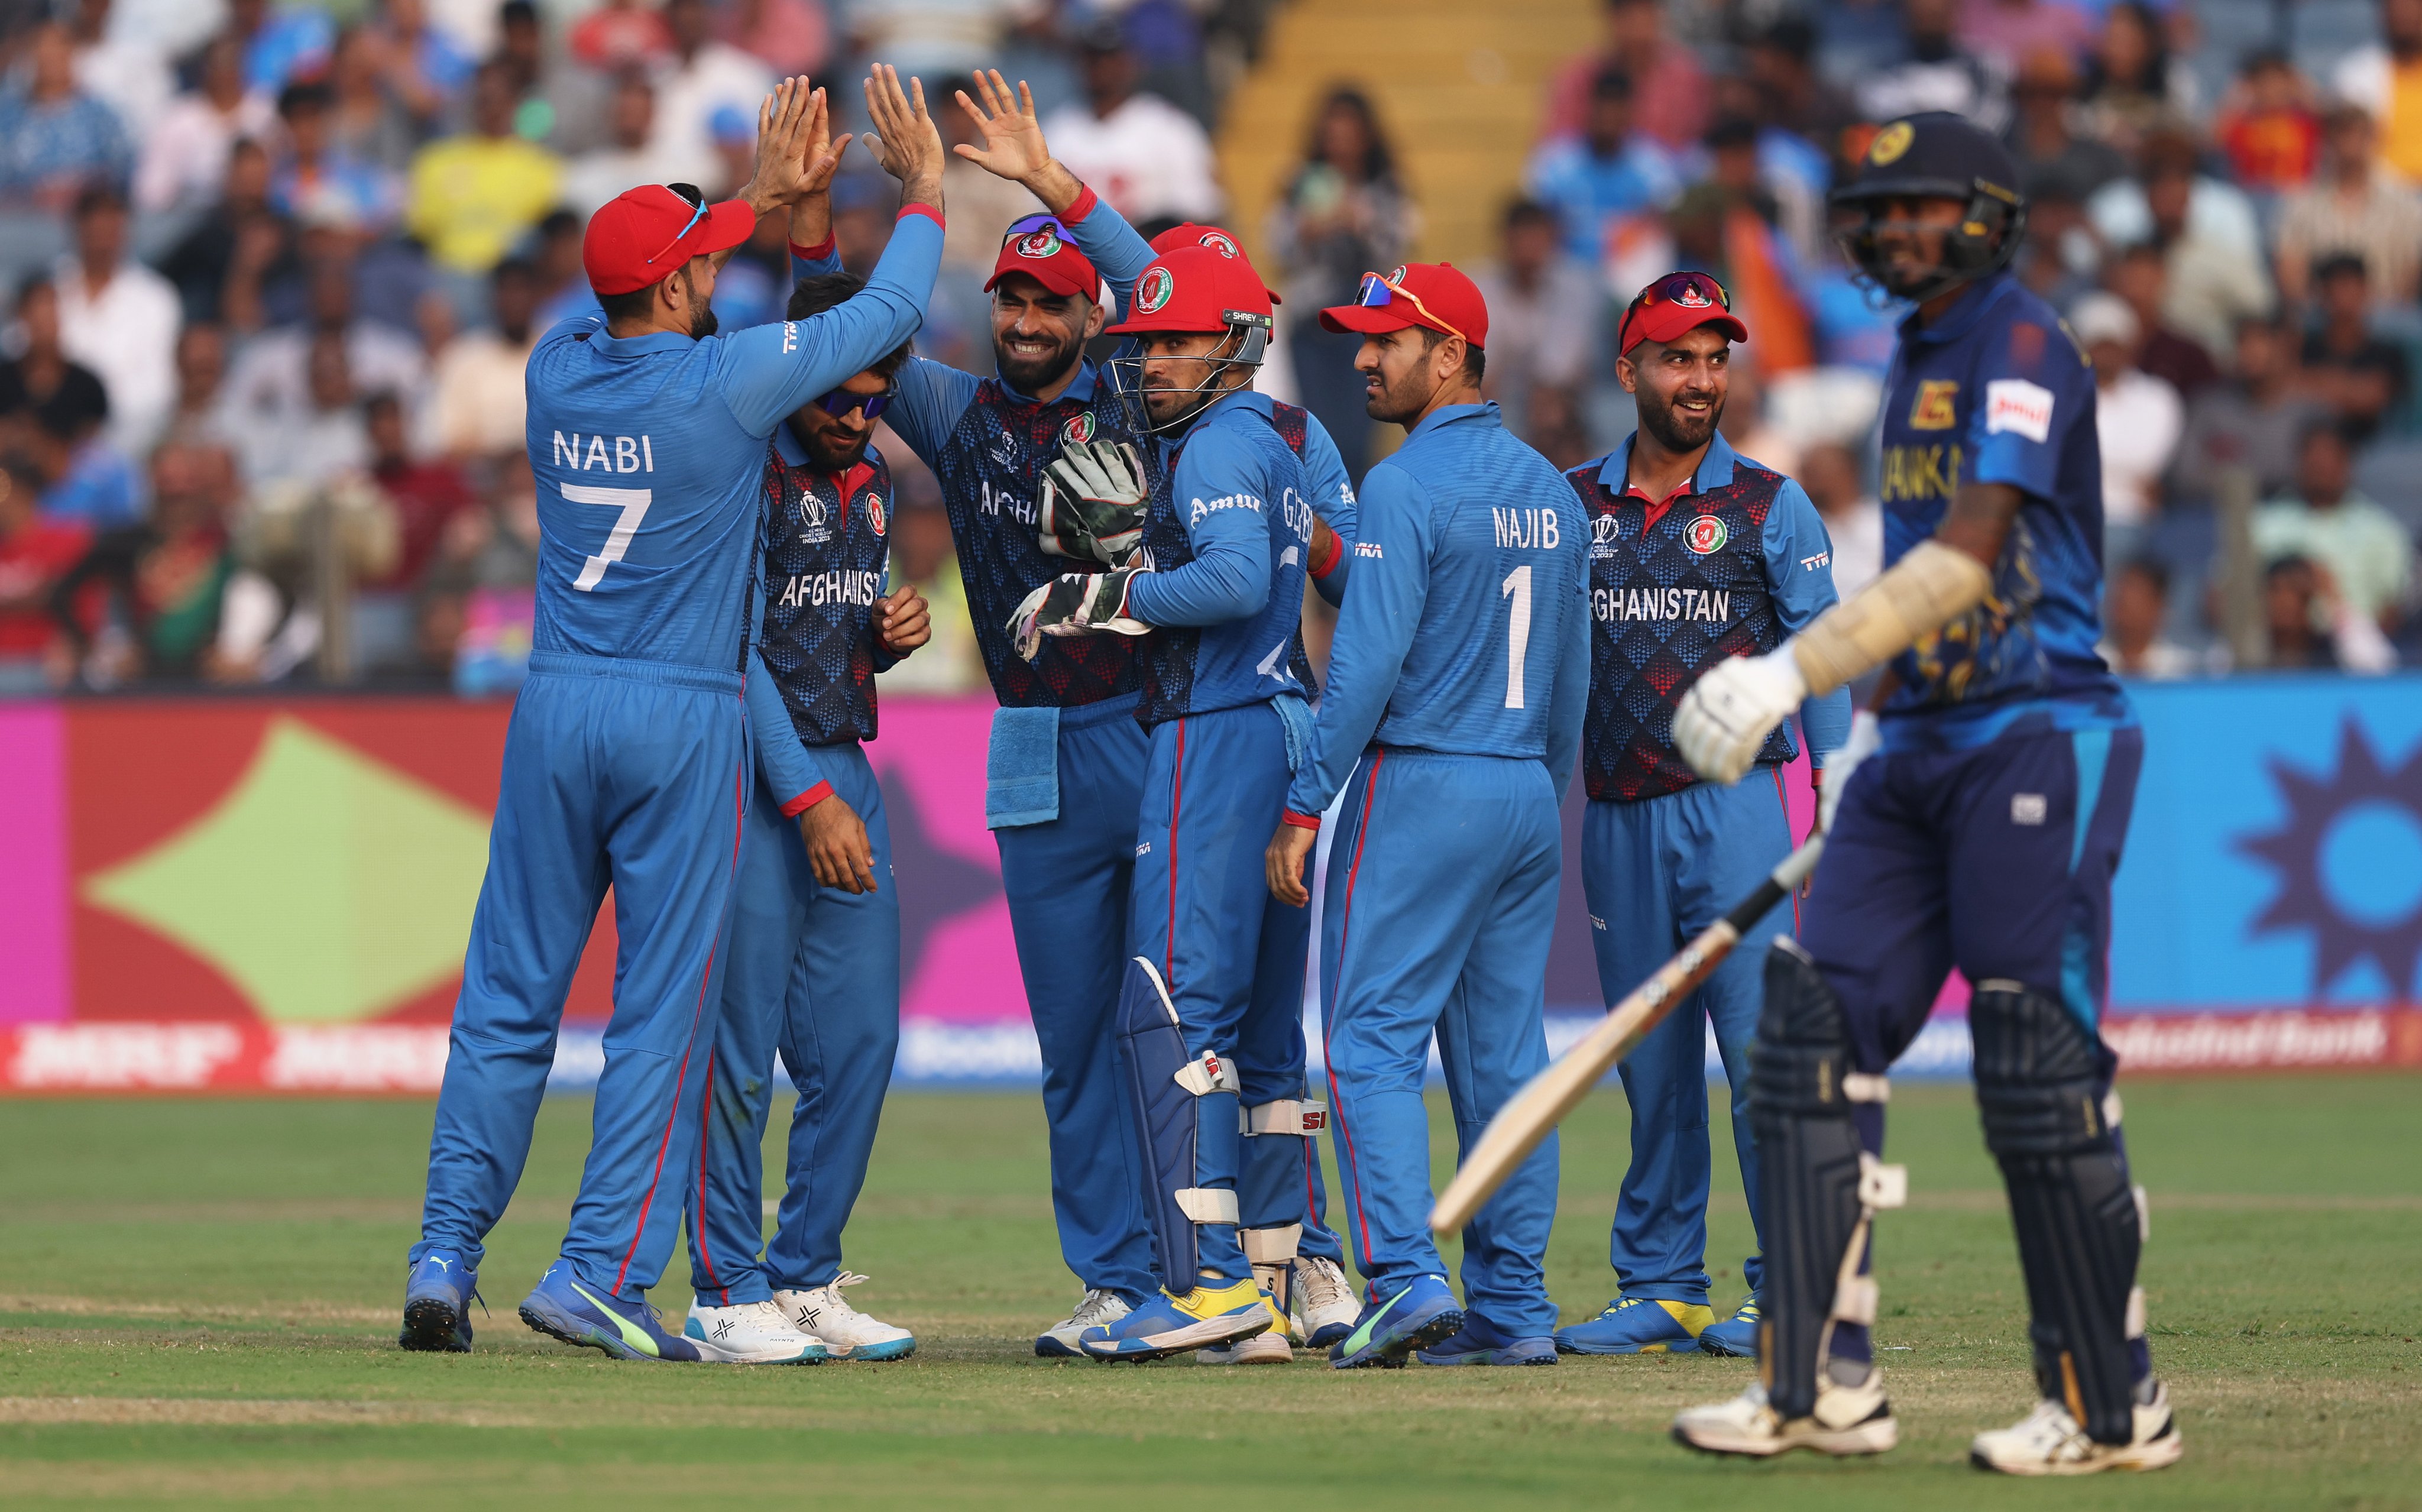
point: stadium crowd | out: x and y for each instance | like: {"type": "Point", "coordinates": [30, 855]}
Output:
{"type": "Point", "coordinates": [273, 272]}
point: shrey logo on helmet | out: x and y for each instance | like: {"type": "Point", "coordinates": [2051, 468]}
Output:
{"type": "Point", "coordinates": [1217, 242]}
{"type": "Point", "coordinates": [1039, 244]}
{"type": "Point", "coordinates": [1706, 534]}
{"type": "Point", "coordinates": [1155, 289]}
{"type": "Point", "coordinates": [1079, 429]}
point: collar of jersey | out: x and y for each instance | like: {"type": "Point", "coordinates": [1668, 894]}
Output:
{"type": "Point", "coordinates": [1452, 414]}
{"type": "Point", "coordinates": [639, 346]}
{"type": "Point", "coordinates": [1080, 387]}
{"type": "Point", "coordinates": [1963, 315]}
{"type": "Point", "coordinates": [1715, 468]}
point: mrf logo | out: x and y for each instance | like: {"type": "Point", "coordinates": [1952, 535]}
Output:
{"type": "Point", "coordinates": [1039, 245]}
{"type": "Point", "coordinates": [1079, 429]}
{"type": "Point", "coordinates": [1706, 535]}
{"type": "Point", "coordinates": [1154, 289]}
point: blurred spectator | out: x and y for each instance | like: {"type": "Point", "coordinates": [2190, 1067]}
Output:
{"type": "Point", "coordinates": [369, 124]}
{"type": "Point", "coordinates": [1720, 232]}
{"type": "Point", "coordinates": [2133, 613]}
{"type": "Point", "coordinates": [269, 390]}
{"type": "Point", "coordinates": [88, 479]}
{"type": "Point", "coordinates": [120, 319]}
{"type": "Point", "coordinates": [200, 418]}
{"type": "Point", "coordinates": [2365, 550]}
{"type": "Point", "coordinates": [1343, 216]}
{"type": "Point", "coordinates": [1785, 188]}
{"type": "Point", "coordinates": [281, 44]}
{"type": "Point", "coordinates": [313, 179]}
{"type": "Point", "coordinates": [2269, 128]}
{"type": "Point", "coordinates": [2137, 419]}
{"type": "Point", "coordinates": [123, 70]}
{"type": "Point", "coordinates": [1930, 71]}
{"type": "Point", "coordinates": [790, 37]}
{"type": "Point", "coordinates": [2004, 31]}
{"type": "Point", "coordinates": [699, 76]}
{"type": "Point", "coordinates": [2255, 419]}
{"type": "Point", "coordinates": [632, 156]}
{"type": "Point", "coordinates": [425, 495]}
{"type": "Point", "coordinates": [2385, 79]}
{"type": "Point", "coordinates": [323, 438]}
{"type": "Point", "coordinates": [2061, 255]}
{"type": "Point", "coordinates": [562, 282]}
{"type": "Point", "coordinates": [57, 141]}
{"type": "Point", "coordinates": [2361, 376]}
{"type": "Point", "coordinates": [2311, 628]}
{"type": "Point", "coordinates": [42, 377]}
{"type": "Point", "coordinates": [473, 195]}
{"type": "Point", "coordinates": [620, 34]}
{"type": "Point", "coordinates": [36, 554]}
{"type": "Point", "coordinates": [2215, 278]}
{"type": "Point", "coordinates": [562, 108]}
{"type": "Point", "coordinates": [2043, 134]}
{"type": "Point", "coordinates": [158, 588]}
{"type": "Point", "coordinates": [1853, 517]}
{"type": "Point", "coordinates": [425, 67]}
{"type": "Point", "coordinates": [185, 161]}
{"type": "Point", "coordinates": [1791, 96]}
{"type": "Point", "coordinates": [1542, 327]}
{"type": "Point", "coordinates": [1148, 158]}
{"type": "Point", "coordinates": [476, 398]}
{"type": "Point", "coordinates": [2141, 276]}
{"type": "Point", "coordinates": [1605, 172]}
{"type": "Point", "coordinates": [2217, 211]}
{"type": "Point", "coordinates": [939, 40]}
{"type": "Point", "coordinates": [1668, 86]}
{"type": "Point", "coordinates": [2358, 207]}
{"type": "Point", "coordinates": [239, 228]}
{"type": "Point", "coordinates": [921, 557]}
{"type": "Point", "coordinates": [2133, 86]}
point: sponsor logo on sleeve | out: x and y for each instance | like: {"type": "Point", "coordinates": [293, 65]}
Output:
{"type": "Point", "coordinates": [2020, 407]}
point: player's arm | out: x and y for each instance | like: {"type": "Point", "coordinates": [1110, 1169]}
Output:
{"type": "Point", "coordinates": [1230, 575]}
{"type": "Point", "coordinates": [1568, 699]}
{"type": "Point", "coordinates": [1013, 148]}
{"type": "Point", "coordinates": [838, 851]}
{"type": "Point", "coordinates": [1375, 633]}
{"type": "Point", "coordinates": [1334, 508]}
{"type": "Point", "coordinates": [1799, 578]}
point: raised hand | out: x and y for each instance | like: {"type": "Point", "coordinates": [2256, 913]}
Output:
{"type": "Point", "coordinates": [1013, 140]}
{"type": "Point", "coordinates": [904, 140]}
{"type": "Point", "coordinates": [795, 153]}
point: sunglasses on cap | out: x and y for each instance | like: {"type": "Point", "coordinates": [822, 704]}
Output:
{"type": "Point", "coordinates": [1694, 291]}
{"type": "Point", "coordinates": [698, 212]}
{"type": "Point", "coordinates": [1377, 289]}
{"type": "Point", "coordinates": [1026, 225]}
{"type": "Point", "coordinates": [839, 401]}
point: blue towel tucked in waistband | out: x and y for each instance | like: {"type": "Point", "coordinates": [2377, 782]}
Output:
{"type": "Point", "coordinates": [1296, 716]}
{"type": "Point", "coordinates": [1022, 769]}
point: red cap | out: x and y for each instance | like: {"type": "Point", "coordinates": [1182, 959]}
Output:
{"type": "Point", "coordinates": [1186, 233]}
{"type": "Point", "coordinates": [1196, 289]}
{"type": "Point", "coordinates": [1676, 304]}
{"type": "Point", "coordinates": [1040, 247]}
{"type": "Point", "coordinates": [646, 233]}
{"type": "Point", "coordinates": [1433, 296]}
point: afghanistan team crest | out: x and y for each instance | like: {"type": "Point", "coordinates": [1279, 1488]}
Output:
{"type": "Point", "coordinates": [1154, 289]}
{"type": "Point", "coordinates": [874, 512]}
{"type": "Point", "coordinates": [1706, 535]}
{"type": "Point", "coordinates": [1079, 429]}
{"type": "Point", "coordinates": [1217, 242]}
{"type": "Point", "coordinates": [1040, 244]}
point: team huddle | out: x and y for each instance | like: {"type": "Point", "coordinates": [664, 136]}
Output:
{"type": "Point", "coordinates": [1165, 771]}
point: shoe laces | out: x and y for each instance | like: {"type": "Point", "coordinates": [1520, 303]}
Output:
{"type": "Point", "coordinates": [1094, 1310]}
{"type": "Point", "coordinates": [1322, 1283]}
{"type": "Point", "coordinates": [831, 1298]}
{"type": "Point", "coordinates": [1748, 1311]}
{"type": "Point", "coordinates": [2049, 1428]}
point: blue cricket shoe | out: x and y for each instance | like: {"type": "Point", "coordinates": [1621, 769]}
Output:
{"type": "Point", "coordinates": [1387, 1333]}
{"type": "Point", "coordinates": [561, 1308]}
{"type": "Point", "coordinates": [1639, 1325]}
{"type": "Point", "coordinates": [1737, 1335]}
{"type": "Point", "coordinates": [437, 1294]}
{"type": "Point", "coordinates": [1207, 1317]}
{"type": "Point", "coordinates": [1483, 1343]}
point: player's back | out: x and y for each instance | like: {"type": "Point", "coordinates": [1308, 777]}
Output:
{"type": "Point", "coordinates": [1507, 568]}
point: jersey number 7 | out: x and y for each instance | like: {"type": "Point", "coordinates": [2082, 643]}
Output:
{"type": "Point", "coordinates": [633, 502]}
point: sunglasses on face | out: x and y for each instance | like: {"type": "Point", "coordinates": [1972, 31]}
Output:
{"type": "Point", "coordinates": [1377, 290]}
{"type": "Point", "coordinates": [839, 403]}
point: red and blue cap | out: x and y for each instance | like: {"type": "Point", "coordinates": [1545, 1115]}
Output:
{"type": "Point", "coordinates": [642, 234]}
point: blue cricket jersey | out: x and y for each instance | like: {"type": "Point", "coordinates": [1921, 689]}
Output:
{"type": "Point", "coordinates": [648, 453]}
{"type": "Point", "coordinates": [1999, 391]}
{"type": "Point", "coordinates": [1468, 629]}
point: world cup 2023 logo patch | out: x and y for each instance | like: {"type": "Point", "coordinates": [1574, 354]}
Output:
{"type": "Point", "coordinates": [1153, 291]}
{"type": "Point", "coordinates": [1706, 535]}
{"type": "Point", "coordinates": [1079, 429]}
{"type": "Point", "coordinates": [1039, 245]}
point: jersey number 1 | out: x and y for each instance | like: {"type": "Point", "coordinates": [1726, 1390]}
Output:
{"type": "Point", "coordinates": [633, 502]}
{"type": "Point", "coordinates": [1518, 631]}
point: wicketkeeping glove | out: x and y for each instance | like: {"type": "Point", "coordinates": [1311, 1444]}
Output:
{"type": "Point", "coordinates": [1092, 502]}
{"type": "Point", "coordinates": [1076, 604]}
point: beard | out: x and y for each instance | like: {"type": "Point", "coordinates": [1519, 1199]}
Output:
{"type": "Point", "coordinates": [1027, 374]}
{"type": "Point", "coordinates": [830, 453]}
{"type": "Point", "coordinates": [1393, 403]}
{"type": "Point", "coordinates": [1676, 432]}
{"type": "Point", "coordinates": [702, 323]}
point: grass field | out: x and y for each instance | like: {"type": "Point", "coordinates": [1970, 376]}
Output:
{"type": "Point", "coordinates": [197, 1303]}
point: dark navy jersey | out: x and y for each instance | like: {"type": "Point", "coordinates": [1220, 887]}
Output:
{"type": "Point", "coordinates": [824, 552]}
{"type": "Point", "coordinates": [1728, 567]}
{"type": "Point", "coordinates": [1999, 391]}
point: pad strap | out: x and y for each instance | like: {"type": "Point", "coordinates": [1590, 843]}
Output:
{"type": "Point", "coordinates": [1287, 1116]}
{"type": "Point", "coordinates": [1271, 1246]}
{"type": "Point", "coordinates": [1207, 1074]}
{"type": "Point", "coordinates": [1208, 1204]}
{"type": "Point", "coordinates": [1920, 594]}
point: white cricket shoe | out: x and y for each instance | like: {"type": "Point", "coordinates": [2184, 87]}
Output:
{"type": "Point", "coordinates": [2048, 1441]}
{"type": "Point", "coordinates": [1847, 1419]}
{"type": "Point", "coordinates": [1099, 1309]}
{"type": "Point", "coordinates": [846, 1332]}
{"type": "Point", "coordinates": [751, 1333]}
{"type": "Point", "coordinates": [1326, 1300]}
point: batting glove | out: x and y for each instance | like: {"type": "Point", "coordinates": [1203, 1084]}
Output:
{"type": "Point", "coordinates": [1866, 738]}
{"type": "Point", "coordinates": [1093, 504]}
{"type": "Point", "coordinates": [1077, 604]}
{"type": "Point", "coordinates": [1726, 718]}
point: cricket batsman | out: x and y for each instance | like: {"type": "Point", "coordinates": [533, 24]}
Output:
{"type": "Point", "coordinates": [815, 929]}
{"type": "Point", "coordinates": [1697, 554]}
{"type": "Point", "coordinates": [627, 760]}
{"type": "Point", "coordinates": [1980, 831]}
{"type": "Point", "coordinates": [1458, 681]}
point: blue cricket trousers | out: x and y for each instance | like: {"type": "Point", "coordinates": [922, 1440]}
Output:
{"type": "Point", "coordinates": [616, 772]}
{"type": "Point", "coordinates": [1441, 905]}
{"type": "Point", "coordinates": [816, 971]}
{"type": "Point", "coordinates": [1656, 872]}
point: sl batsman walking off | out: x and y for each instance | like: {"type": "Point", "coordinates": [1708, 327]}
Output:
{"type": "Point", "coordinates": [1981, 829]}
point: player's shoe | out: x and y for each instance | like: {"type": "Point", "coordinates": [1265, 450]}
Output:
{"type": "Point", "coordinates": [1327, 1300]}
{"type": "Point", "coordinates": [561, 1308]}
{"type": "Point", "coordinates": [1639, 1325]}
{"type": "Point", "coordinates": [1413, 1317]}
{"type": "Point", "coordinates": [1737, 1335]}
{"type": "Point", "coordinates": [1167, 1325]}
{"type": "Point", "coordinates": [437, 1296]}
{"type": "Point", "coordinates": [1847, 1419]}
{"type": "Point", "coordinates": [1275, 1347]}
{"type": "Point", "coordinates": [1100, 1308]}
{"type": "Point", "coordinates": [751, 1333]}
{"type": "Point", "coordinates": [2049, 1442]}
{"type": "Point", "coordinates": [822, 1313]}
{"type": "Point", "coordinates": [1483, 1343]}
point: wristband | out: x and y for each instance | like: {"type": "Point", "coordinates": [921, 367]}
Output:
{"type": "Point", "coordinates": [1301, 821]}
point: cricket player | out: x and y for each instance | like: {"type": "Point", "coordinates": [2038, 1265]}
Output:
{"type": "Point", "coordinates": [1696, 554]}
{"type": "Point", "coordinates": [816, 930]}
{"type": "Point", "coordinates": [1980, 831]}
{"type": "Point", "coordinates": [1457, 682]}
{"type": "Point", "coordinates": [1279, 1192]}
{"type": "Point", "coordinates": [627, 760]}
